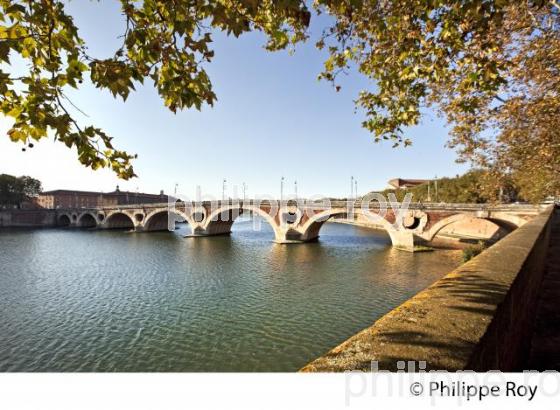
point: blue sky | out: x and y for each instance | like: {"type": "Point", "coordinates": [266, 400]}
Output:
{"type": "Point", "coordinates": [272, 119]}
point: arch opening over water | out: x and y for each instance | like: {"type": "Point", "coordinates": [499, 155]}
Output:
{"type": "Point", "coordinates": [253, 225]}
{"type": "Point", "coordinates": [469, 227]}
{"type": "Point", "coordinates": [165, 221]}
{"type": "Point", "coordinates": [87, 221]}
{"type": "Point", "coordinates": [119, 220]}
{"type": "Point", "coordinates": [63, 220]}
{"type": "Point", "coordinates": [312, 227]}
{"type": "Point", "coordinates": [221, 221]}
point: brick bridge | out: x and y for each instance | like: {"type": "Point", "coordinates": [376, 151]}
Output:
{"type": "Point", "coordinates": [293, 223]}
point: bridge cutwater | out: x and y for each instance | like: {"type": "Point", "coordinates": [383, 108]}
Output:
{"type": "Point", "coordinates": [293, 223]}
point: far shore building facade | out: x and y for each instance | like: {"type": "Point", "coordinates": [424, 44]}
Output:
{"type": "Point", "coordinates": [401, 183]}
{"type": "Point", "coordinates": [63, 198]}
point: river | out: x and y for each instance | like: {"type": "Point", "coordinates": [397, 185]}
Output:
{"type": "Point", "coordinates": [75, 300]}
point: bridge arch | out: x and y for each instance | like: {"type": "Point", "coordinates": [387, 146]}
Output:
{"type": "Point", "coordinates": [158, 220]}
{"type": "Point", "coordinates": [213, 224]}
{"type": "Point", "coordinates": [508, 222]}
{"type": "Point", "coordinates": [310, 229]}
{"type": "Point", "coordinates": [118, 220]}
{"type": "Point", "coordinates": [87, 220]}
{"type": "Point", "coordinates": [63, 220]}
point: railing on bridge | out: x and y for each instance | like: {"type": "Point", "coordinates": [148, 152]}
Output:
{"type": "Point", "coordinates": [318, 204]}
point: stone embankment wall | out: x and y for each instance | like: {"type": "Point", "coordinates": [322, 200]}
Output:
{"type": "Point", "coordinates": [478, 317]}
{"type": "Point", "coordinates": [29, 218]}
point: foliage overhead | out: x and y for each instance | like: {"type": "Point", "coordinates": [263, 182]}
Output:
{"type": "Point", "coordinates": [490, 67]}
{"type": "Point", "coordinates": [166, 42]}
{"type": "Point", "coordinates": [16, 190]}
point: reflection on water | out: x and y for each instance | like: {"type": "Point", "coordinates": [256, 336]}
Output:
{"type": "Point", "coordinates": [115, 301]}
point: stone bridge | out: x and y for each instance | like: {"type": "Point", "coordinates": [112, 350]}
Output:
{"type": "Point", "coordinates": [299, 222]}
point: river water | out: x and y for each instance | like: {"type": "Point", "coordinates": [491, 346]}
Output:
{"type": "Point", "coordinates": [74, 300]}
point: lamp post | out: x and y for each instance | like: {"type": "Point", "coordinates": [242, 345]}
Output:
{"type": "Point", "coordinates": [244, 189]}
{"type": "Point", "coordinates": [295, 189]}
{"type": "Point", "coordinates": [351, 187]}
{"type": "Point", "coordinates": [281, 189]}
{"type": "Point", "coordinates": [356, 188]}
{"type": "Point", "coordinates": [224, 189]}
{"type": "Point", "coordinates": [435, 183]}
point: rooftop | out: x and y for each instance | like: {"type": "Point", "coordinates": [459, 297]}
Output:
{"type": "Point", "coordinates": [401, 182]}
{"type": "Point", "coordinates": [113, 193]}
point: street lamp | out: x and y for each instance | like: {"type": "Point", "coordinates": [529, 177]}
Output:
{"type": "Point", "coordinates": [281, 189]}
{"type": "Point", "coordinates": [356, 188]}
{"type": "Point", "coordinates": [244, 189]}
{"type": "Point", "coordinates": [435, 182]}
{"type": "Point", "coordinates": [351, 186]}
{"type": "Point", "coordinates": [224, 189]}
{"type": "Point", "coordinates": [295, 189]}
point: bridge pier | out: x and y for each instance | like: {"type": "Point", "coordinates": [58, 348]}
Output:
{"type": "Point", "coordinates": [213, 229]}
{"type": "Point", "coordinates": [290, 236]}
{"type": "Point", "coordinates": [402, 240]}
{"type": "Point", "coordinates": [203, 234]}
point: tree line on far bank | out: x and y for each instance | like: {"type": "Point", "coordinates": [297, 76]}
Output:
{"type": "Point", "coordinates": [470, 187]}
{"type": "Point", "coordinates": [467, 188]}
{"type": "Point", "coordinates": [14, 191]}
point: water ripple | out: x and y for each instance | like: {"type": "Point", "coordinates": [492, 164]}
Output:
{"type": "Point", "coordinates": [111, 301]}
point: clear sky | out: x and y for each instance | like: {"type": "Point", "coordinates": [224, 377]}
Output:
{"type": "Point", "coordinates": [273, 118]}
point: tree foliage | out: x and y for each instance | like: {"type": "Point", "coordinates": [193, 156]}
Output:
{"type": "Point", "coordinates": [16, 190]}
{"type": "Point", "coordinates": [490, 67]}
{"type": "Point", "coordinates": [166, 42]}
{"type": "Point", "coordinates": [463, 189]}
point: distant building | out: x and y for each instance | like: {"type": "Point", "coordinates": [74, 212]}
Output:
{"type": "Point", "coordinates": [63, 198]}
{"type": "Point", "coordinates": [400, 183]}
{"type": "Point", "coordinates": [130, 198]}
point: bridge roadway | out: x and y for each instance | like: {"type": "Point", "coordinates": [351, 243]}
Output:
{"type": "Point", "coordinates": [299, 222]}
